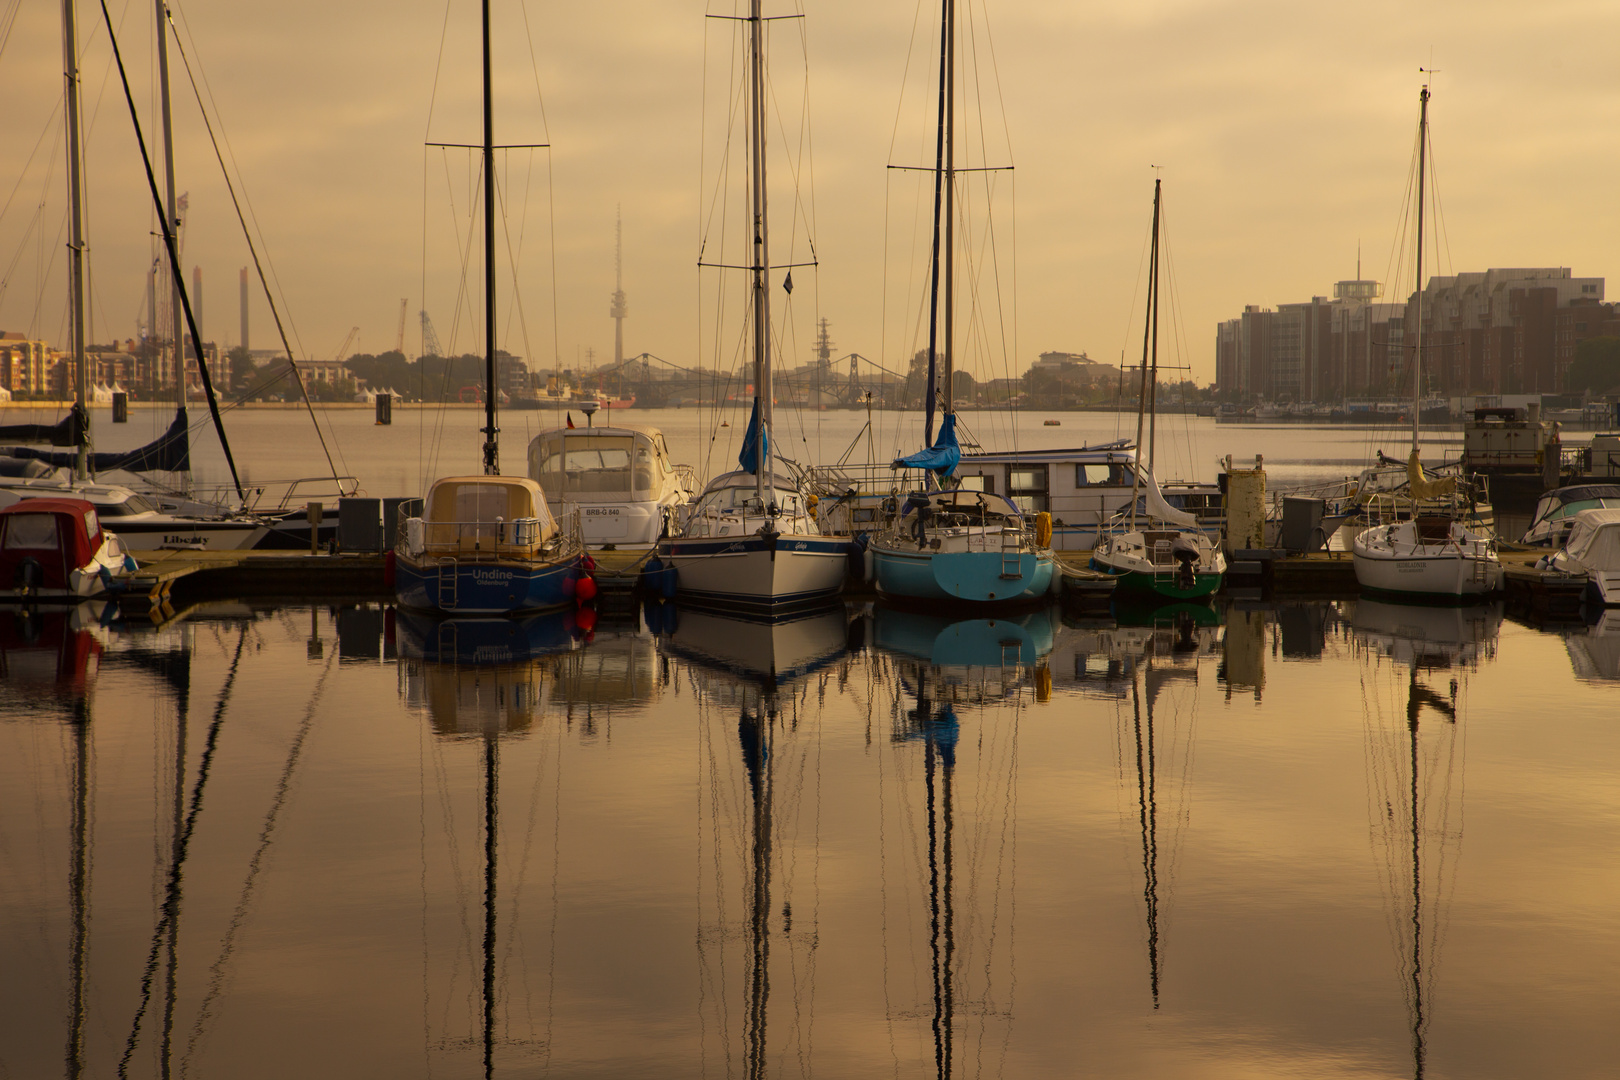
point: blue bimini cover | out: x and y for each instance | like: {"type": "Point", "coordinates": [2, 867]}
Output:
{"type": "Point", "coordinates": [941, 458]}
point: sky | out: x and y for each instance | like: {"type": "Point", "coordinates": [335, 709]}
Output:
{"type": "Point", "coordinates": [1283, 133]}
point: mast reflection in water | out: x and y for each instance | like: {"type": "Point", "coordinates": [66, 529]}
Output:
{"type": "Point", "coordinates": [483, 681]}
{"type": "Point", "coordinates": [943, 674]}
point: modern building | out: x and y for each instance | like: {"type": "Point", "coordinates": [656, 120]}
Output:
{"type": "Point", "coordinates": [1500, 331]}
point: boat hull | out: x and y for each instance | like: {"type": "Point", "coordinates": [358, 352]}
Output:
{"type": "Point", "coordinates": [756, 573]}
{"type": "Point", "coordinates": [462, 587]}
{"type": "Point", "coordinates": [982, 577]}
{"type": "Point", "coordinates": [1159, 583]}
{"type": "Point", "coordinates": [1389, 559]}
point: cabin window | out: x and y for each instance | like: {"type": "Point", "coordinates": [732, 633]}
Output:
{"type": "Point", "coordinates": [978, 483]}
{"type": "Point", "coordinates": [91, 525]}
{"type": "Point", "coordinates": [31, 531]}
{"type": "Point", "coordinates": [1026, 487]}
{"type": "Point", "coordinates": [584, 464]}
{"type": "Point", "coordinates": [1099, 474]}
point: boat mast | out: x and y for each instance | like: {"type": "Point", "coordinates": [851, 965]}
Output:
{"type": "Point", "coordinates": [761, 261]}
{"type": "Point", "coordinates": [939, 180]}
{"type": "Point", "coordinates": [1153, 367]}
{"type": "Point", "coordinates": [950, 205]}
{"type": "Point", "coordinates": [492, 464]}
{"type": "Point", "coordinates": [1417, 353]}
{"type": "Point", "coordinates": [175, 320]}
{"type": "Point", "coordinates": [75, 178]}
{"type": "Point", "coordinates": [1150, 352]}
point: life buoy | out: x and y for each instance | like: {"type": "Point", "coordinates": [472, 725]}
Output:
{"type": "Point", "coordinates": [1043, 529]}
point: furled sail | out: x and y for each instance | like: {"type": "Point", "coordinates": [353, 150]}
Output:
{"type": "Point", "coordinates": [756, 443]}
{"type": "Point", "coordinates": [169, 452]}
{"type": "Point", "coordinates": [941, 458]}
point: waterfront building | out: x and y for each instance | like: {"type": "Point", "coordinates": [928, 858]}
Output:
{"type": "Point", "coordinates": [1492, 332]}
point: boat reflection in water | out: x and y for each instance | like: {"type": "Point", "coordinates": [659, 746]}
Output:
{"type": "Point", "coordinates": [957, 690]}
{"type": "Point", "coordinates": [486, 682]}
{"type": "Point", "coordinates": [1415, 757]}
{"type": "Point", "coordinates": [1594, 650]}
{"type": "Point", "coordinates": [1420, 635]}
{"type": "Point", "coordinates": [759, 819]}
{"type": "Point", "coordinates": [1102, 659]}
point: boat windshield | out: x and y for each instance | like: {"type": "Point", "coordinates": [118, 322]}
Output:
{"type": "Point", "coordinates": [586, 467]}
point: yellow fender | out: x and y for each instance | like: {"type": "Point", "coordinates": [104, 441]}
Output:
{"type": "Point", "coordinates": [1043, 529]}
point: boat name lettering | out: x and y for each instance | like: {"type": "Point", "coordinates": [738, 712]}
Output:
{"type": "Point", "coordinates": [603, 511]}
{"type": "Point", "coordinates": [183, 540]}
{"type": "Point", "coordinates": [492, 577]}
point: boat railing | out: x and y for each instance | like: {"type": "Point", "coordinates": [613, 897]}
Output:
{"type": "Point", "coordinates": [277, 496]}
{"type": "Point", "coordinates": [491, 539]}
{"type": "Point", "coordinates": [865, 479]}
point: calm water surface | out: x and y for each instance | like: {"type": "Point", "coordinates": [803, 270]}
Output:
{"type": "Point", "coordinates": [1295, 840]}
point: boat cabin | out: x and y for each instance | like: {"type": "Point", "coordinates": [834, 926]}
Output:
{"type": "Point", "coordinates": [492, 516]}
{"type": "Point", "coordinates": [620, 480]}
{"type": "Point", "coordinates": [1556, 510]}
{"type": "Point", "coordinates": [44, 543]}
{"type": "Point", "coordinates": [731, 506]}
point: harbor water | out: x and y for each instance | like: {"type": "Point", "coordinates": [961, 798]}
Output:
{"type": "Point", "coordinates": [1326, 838]}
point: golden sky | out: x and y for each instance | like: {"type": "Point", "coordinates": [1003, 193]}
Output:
{"type": "Point", "coordinates": [1284, 132]}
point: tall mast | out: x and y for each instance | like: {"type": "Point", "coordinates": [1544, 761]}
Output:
{"type": "Point", "coordinates": [177, 335]}
{"type": "Point", "coordinates": [761, 261]}
{"type": "Point", "coordinates": [1150, 354]}
{"type": "Point", "coordinates": [939, 181]}
{"type": "Point", "coordinates": [1417, 353]}
{"type": "Point", "coordinates": [950, 203]}
{"type": "Point", "coordinates": [492, 464]}
{"type": "Point", "coordinates": [70, 68]}
{"type": "Point", "coordinates": [1153, 366]}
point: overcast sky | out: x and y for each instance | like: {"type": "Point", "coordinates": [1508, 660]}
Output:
{"type": "Point", "coordinates": [1284, 131]}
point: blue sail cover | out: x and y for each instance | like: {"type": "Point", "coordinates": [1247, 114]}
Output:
{"type": "Point", "coordinates": [748, 460]}
{"type": "Point", "coordinates": [941, 458]}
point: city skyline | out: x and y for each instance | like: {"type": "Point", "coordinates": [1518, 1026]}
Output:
{"type": "Point", "coordinates": [1284, 137]}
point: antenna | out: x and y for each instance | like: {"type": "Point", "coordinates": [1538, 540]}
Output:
{"type": "Point", "coordinates": [619, 308]}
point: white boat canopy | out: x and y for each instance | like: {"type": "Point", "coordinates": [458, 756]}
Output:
{"type": "Point", "coordinates": [1594, 540]}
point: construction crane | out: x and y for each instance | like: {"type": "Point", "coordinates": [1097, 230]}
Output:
{"type": "Point", "coordinates": [430, 340]}
{"type": "Point", "coordinates": [343, 350]}
{"type": "Point", "coordinates": [399, 338]}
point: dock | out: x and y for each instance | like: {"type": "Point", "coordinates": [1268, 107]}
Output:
{"type": "Point", "coordinates": [197, 575]}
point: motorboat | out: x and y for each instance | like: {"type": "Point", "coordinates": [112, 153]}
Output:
{"type": "Point", "coordinates": [620, 481]}
{"type": "Point", "coordinates": [55, 550]}
{"type": "Point", "coordinates": [1592, 547]}
{"type": "Point", "coordinates": [486, 545]}
{"type": "Point", "coordinates": [1556, 510]}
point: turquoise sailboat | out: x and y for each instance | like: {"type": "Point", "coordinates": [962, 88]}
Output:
{"type": "Point", "coordinates": [949, 543]}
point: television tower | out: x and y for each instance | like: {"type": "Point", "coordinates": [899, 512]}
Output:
{"type": "Point", "coordinates": [619, 310]}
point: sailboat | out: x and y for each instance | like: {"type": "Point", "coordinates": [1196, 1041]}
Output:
{"type": "Point", "coordinates": [1158, 550]}
{"type": "Point", "coordinates": [1434, 552]}
{"type": "Point", "coordinates": [750, 540]}
{"type": "Point", "coordinates": [947, 543]}
{"type": "Point", "coordinates": [145, 521]}
{"type": "Point", "coordinates": [489, 544]}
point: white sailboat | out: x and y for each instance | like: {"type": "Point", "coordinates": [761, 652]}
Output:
{"type": "Point", "coordinates": [1160, 550]}
{"type": "Point", "coordinates": [750, 540]}
{"type": "Point", "coordinates": [1432, 553]}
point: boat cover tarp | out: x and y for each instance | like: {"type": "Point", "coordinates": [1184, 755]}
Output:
{"type": "Point", "coordinates": [169, 452]}
{"type": "Point", "coordinates": [941, 458]}
{"type": "Point", "coordinates": [1420, 487]}
{"type": "Point", "coordinates": [1594, 540]}
{"type": "Point", "coordinates": [756, 443]}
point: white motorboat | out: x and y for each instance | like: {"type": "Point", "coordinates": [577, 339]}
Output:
{"type": "Point", "coordinates": [1556, 511]}
{"type": "Point", "coordinates": [620, 481]}
{"type": "Point", "coordinates": [1593, 548]}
